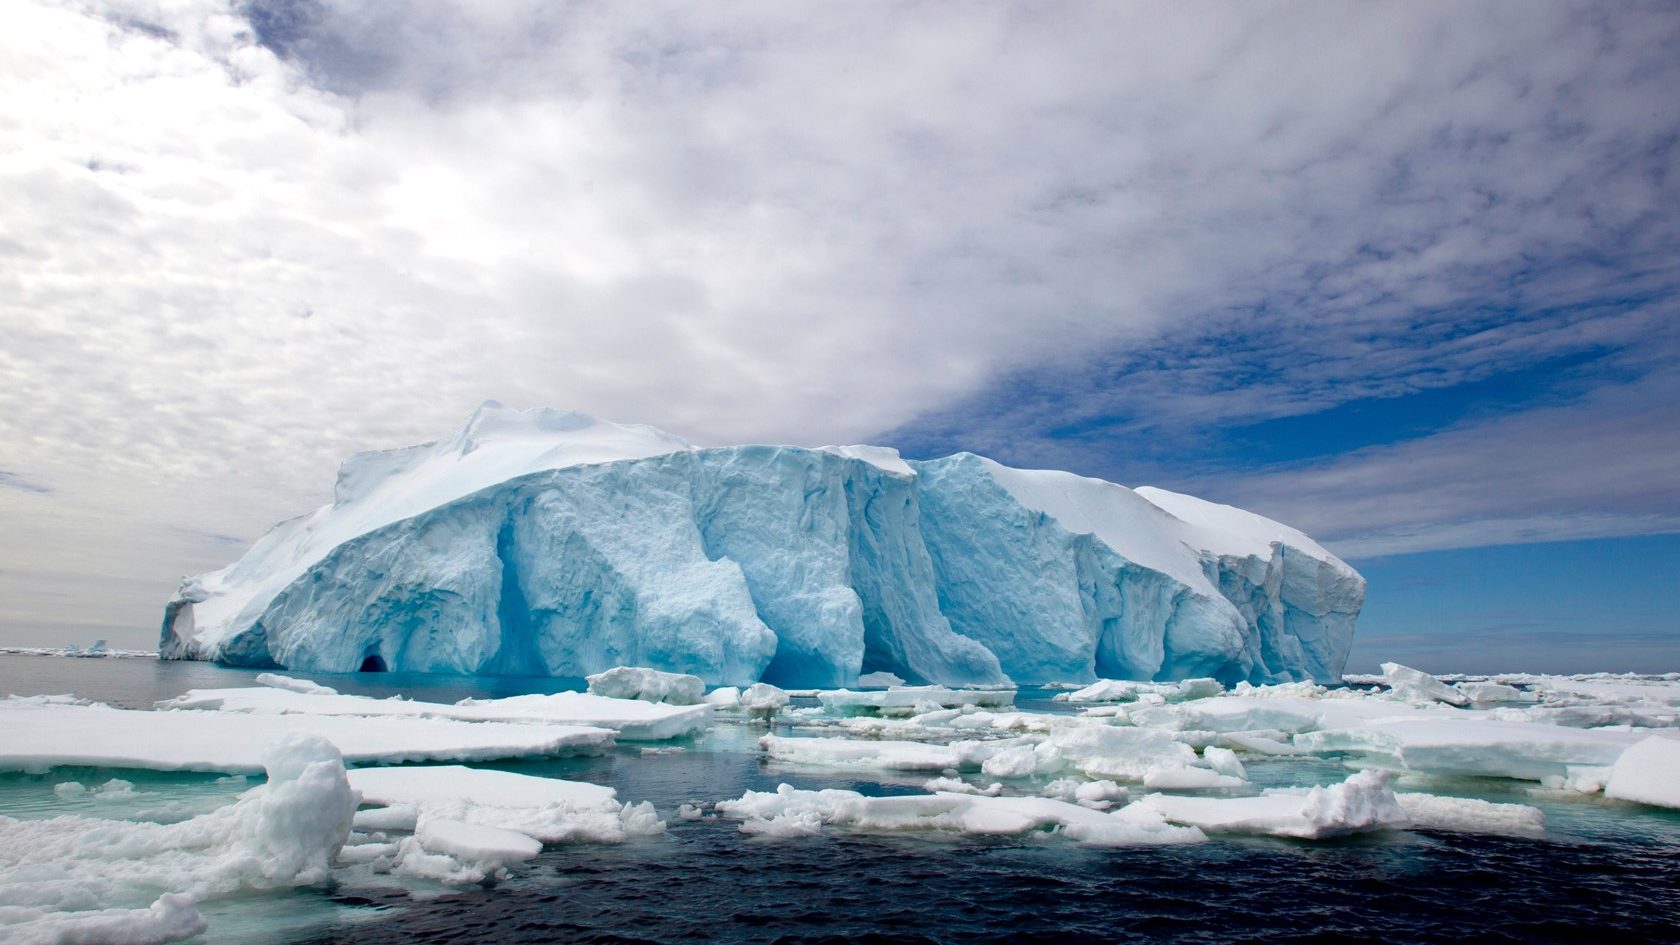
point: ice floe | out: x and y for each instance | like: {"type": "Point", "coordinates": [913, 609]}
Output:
{"type": "Point", "coordinates": [789, 812]}
{"type": "Point", "coordinates": [1363, 803]}
{"type": "Point", "coordinates": [37, 736]}
{"type": "Point", "coordinates": [467, 824]}
{"type": "Point", "coordinates": [1648, 772]}
{"type": "Point", "coordinates": [1413, 684]}
{"type": "Point", "coordinates": [648, 685]}
{"type": "Point", "coordinates": [630, 719]}
{"type": "Point", "coordinates": [910, 700]}
{"type": "Point", "coordinates": [1475, 746]}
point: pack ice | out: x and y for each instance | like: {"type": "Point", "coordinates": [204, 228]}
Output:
{"type": "Point", "coordinates": [543, 542]}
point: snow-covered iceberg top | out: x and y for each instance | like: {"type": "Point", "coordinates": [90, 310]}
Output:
{"type": "Point", "coordinates": [550, 543]}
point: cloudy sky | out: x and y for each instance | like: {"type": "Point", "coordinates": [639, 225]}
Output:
{"type": "Point", "coordinates": [1404, 275]}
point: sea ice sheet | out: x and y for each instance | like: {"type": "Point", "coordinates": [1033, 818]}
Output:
{"type": "Point", "coordinates": [631, 719]}
{"type": "Point", "coordinates": [37, 737]}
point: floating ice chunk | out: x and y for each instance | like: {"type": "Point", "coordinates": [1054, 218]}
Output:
{"type": "Point", "coordinates": [61, 699]}
{"type": "Point", "coordinates": [1267, 743]}
{"type": "Point", "coordinates": [476, 843]}
{"type": "Point", "coordinates": [1182, 778]}
{"type": "Point", "coordinates": [881, 680]}
{"type": "Point", "coordinates": [547, 809]}
{"type": "Point", "coordinates": [171, 918]}
{"type": "Point", "coordinates": [723, 697]}
{"type": "Point", "coordinates": [436, 785]}
{"type": "Point", "coordinates": [1460, 743]}
{"type": "Point", "coordinates": [1021, 761]}
{"type": "Point", "coordinates": [281, 834]}
{"type": "Point", "coordinates": [305, 686]}
{"type": "Point", "coordinates": [1094, 793]}
{"type": "Point", "coordinates": [1285, 714]}
{"type": "Point", "coordinates": [633, 720]}
{"type": "Point", "coordinates": [959, 786]}
{"type": "Point", "coordinates": [404, 817]}
{"type": "Point", "coordinates": [1095, 749]}
{"type": "Point", "coordinates": [1363, 803]}
{"type": "Point", "coordinates": [762, 700]}
{"type": "Point", "coordinates": [648, 685]}
{"type": "Point", "coordinates": [1648, 772]}
{"type": "Point", "coordinates": [1224, 761]}
{"type": "Point", "coordinates": [1469, 815]}
{"type": "Point", "coordinates": [788, 812]}
{"type": "Point", "coordinates": [1126, 754]}
{"type": "Point", "coordinates": [1108, 690]}
{"type": "Point", "coordinates": [38, 737]}
{"type": "Point", "coordinates": [1128, 690]}
{"type": "Point", "coordinates": [1594, 716]}
{"type": "Point", "coordinates": [1190, 689]}
{"type": "Point", "coordinates": [1483, 693]}
{"type": "Point", "coordinates": [906, 700]}
{"type": "Point", "coordinates": [1607, 689]}
{"type": "Point", "coordinates": [880, 755]}
{"type": "Point", "coordinates": [1414, 684]}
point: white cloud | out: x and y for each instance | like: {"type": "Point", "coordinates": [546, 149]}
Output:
{"type": "Point", "coordinates": [221, 270]}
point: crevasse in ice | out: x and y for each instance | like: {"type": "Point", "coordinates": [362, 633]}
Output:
{"type": "Point", "coordinates": [544, 542]}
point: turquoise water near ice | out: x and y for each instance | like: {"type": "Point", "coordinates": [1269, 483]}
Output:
{"type": "Point", "coordinates": [1603, 871]}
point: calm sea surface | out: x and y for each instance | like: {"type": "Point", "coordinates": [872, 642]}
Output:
{"type": "Point", "coordinates": [1603, 873]}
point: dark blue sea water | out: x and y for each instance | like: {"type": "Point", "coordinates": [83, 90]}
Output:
{"type": "Point", "coordinates": [1603, 873]}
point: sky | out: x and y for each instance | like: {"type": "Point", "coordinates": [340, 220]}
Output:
{"type": "Point", "coordinates": [1406, 276]}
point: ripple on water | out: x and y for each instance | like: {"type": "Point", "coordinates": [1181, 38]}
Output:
{"type": "Point", "coordinates": [707, 882]}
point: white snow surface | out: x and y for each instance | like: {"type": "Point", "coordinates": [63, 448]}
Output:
{"type": "Point", "coordinates": [479, 844]}
{"type": "Point", "coordinates": [884, 458]}
{"type": "Point", "coordinates": [38, 737]}
{"type": "Point", "coordinates": [378, 488]}
{"type": "Point", "coordinates": [427, 786]}
{"type": "Point", "coordinates": [1228, 530]}
{"type": "Point", "coordinates": [789, 812]}
{"type": "Point", "coordinates": [1648, 772]}
{"type": "Point", "coordinates": [1415, 684]}
{"type": "Point", "coordinates": [903, 698]}
{"type": "Point", "coordinates": [469, 823]}
{"type": "Point", "coordinates": [1362, 803]}
{"type": "Point", "coordinates": [630, 719]}
{"type": "Point", "coordinates": [648, 685]}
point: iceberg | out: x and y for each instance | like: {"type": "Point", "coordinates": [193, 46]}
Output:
{"type": "Point", "coordinates": [551, 543]}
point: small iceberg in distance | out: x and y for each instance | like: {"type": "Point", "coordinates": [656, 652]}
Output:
{"type": "Point", "coordinates": [551, 543]}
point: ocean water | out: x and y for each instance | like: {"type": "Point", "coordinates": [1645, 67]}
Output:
{"type": "Point", "coordinates": [1603, 872]}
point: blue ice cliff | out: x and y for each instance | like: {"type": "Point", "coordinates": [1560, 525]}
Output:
{"type": "Point", "coordinates": [543, 542]}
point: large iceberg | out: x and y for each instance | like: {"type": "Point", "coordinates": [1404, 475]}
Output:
{"type": "Point", "coordinates": [543, 542]}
